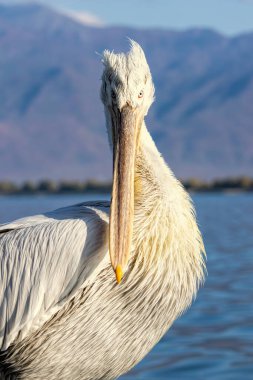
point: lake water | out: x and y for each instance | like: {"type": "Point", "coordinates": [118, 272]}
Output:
{"type": "Point", "coordinates": [214, 339]}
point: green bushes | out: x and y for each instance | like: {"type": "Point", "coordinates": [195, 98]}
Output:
{"type": "Point", "coordinates": [94, 186]}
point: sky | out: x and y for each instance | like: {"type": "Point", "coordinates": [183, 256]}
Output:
{"type": "Point", "coordinates": [229, 17]}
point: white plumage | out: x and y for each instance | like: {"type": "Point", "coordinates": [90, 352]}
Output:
{"type": "Point", "coordinates": [45, 259]}
{"type": "Point", "coordinates": [63, 316]}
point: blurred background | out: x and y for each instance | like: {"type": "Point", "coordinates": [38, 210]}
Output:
{"type": "Point", "coordinates": [53, 140]}
{"type": "Point", "coordinates": [201, 57]}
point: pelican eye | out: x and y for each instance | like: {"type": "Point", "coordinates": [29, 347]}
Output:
{"type": "Point", "coordinates": [141, 93]}
{"type": "Point", "coordinates": [113, 95]}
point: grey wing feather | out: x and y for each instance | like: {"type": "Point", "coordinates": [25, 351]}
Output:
{"type": "Point", "coordinates": [44, 260]}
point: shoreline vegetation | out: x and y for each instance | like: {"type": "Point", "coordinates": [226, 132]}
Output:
{"type": "Point", "coordinates": [238, 184]}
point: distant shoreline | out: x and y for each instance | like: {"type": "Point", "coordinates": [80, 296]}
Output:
{"type": "Point", "coordinates": [231, 185]}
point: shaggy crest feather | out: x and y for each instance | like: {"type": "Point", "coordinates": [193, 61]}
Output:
{"type": "Point", "coordinates": [62, 314]}
{"type": "Point", "coordinates": [125, 75]}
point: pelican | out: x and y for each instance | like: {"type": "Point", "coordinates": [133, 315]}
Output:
{"type": "Point", "coordinates": [86, 291]}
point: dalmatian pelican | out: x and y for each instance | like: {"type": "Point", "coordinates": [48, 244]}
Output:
{"type": "Point", "coordinates": [86, 291]}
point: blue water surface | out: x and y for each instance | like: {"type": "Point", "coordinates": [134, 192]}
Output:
{"type": "Point", "coordinates": [214, 338]}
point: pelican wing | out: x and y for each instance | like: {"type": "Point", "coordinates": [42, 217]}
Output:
{"type": "Point", "coordinates": [44, 260]}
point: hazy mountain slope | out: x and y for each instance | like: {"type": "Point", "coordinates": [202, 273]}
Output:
{"type": "Point", "coordinates": [51, 119]}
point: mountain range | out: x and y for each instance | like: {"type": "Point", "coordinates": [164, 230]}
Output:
{"type": "Point", "coordinates": [51, 118]}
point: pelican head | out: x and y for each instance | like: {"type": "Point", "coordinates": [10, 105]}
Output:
{"type": "Point", "coordinates": [127, 92]}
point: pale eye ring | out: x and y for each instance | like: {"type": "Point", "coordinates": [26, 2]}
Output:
{"type": "Point", "coordinates": [141, 93]}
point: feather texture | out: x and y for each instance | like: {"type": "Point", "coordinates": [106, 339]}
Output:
{"type": "Point", "coordinates": [44, 260]}
{"type": "Point", "coordinates": [63, 316]}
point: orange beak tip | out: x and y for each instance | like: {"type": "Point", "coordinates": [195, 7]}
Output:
{"type": "Point", "coordinates": [119, 273]}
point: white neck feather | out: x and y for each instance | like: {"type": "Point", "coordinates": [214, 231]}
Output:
{"type": "Point", "coordinates": [160, 174]}
{"type": "Point", "coordinates": [165, 233]}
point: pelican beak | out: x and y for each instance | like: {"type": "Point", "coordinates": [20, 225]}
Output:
{"type": "Point", "coordinates": [126, 127]}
